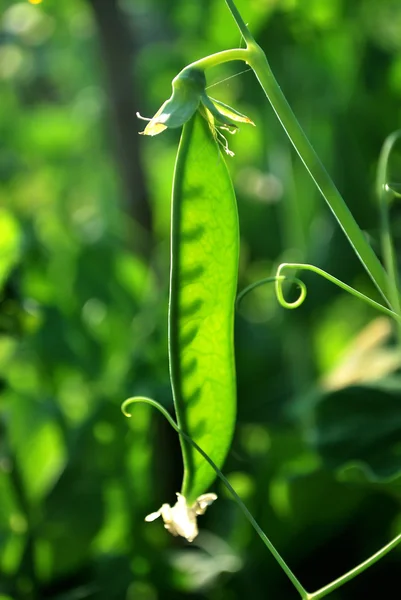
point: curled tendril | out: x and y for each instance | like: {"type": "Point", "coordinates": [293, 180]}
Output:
{"type": "Point", "coordinates": [280, 293]}
{"type": "Point", "coordinates": [279, 279]}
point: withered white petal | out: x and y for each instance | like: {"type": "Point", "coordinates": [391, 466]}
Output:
{"type": "Point", "coordinates": [152, 517]}
{"type": "Point", "coordinates": [203, 502]}
{"type": "Point", "coordinates": [180, 519]}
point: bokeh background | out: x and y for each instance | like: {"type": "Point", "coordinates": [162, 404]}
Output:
{"type": "Point", "coordinates": [84, 243]}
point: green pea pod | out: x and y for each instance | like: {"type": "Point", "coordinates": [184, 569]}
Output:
{"type": "Point", "coordinates": [204, 266]}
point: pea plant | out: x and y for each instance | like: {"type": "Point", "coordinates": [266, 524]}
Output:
{"type": "Point", "coordinates": [203, 280]}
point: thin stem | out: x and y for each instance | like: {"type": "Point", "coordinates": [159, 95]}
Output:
{"type": "Point", "coordinates": [246, 34]}
{"type": "Point", "coordinates": [248, 515]}
{"type": "Point", "coordinates": [389, 257]}
{"type": "Point", "coordinates": [385, 194]}
{"type": "Point", "coordinates": [255, 57]}
{"type": "Point", "coordinates": [307, 154]}
{"type": "Point", "coordinates": [219, 58]}
{"type": "Point", "coordinates": [387, 284]}
{"type": "Point", "coordinates": [327, 589]}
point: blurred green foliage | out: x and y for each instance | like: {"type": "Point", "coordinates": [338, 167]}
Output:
{"type": "Point", "coordinates": [83, 307]}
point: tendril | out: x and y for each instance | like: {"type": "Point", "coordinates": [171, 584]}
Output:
{"type": "Point", "coordinates": [280, 278]}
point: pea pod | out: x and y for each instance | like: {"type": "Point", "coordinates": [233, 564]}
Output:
{"type": "Point", "coordinates": [204, 265]}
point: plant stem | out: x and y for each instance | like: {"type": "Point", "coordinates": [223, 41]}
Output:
{"type": "Point", "coordinates": [384, 195]}
{"type": "Point", "coordinates": [388, 252]}
{"type": "Point", "coordinates": [307, 154]}
{"type": "Point", "coordinates": [386, 283]}
{"type": "Point", "coordinates": [246, 34]}
{"type": "Point", "coordinates": [298, 586]}
{"type": "Point", "coordinates": [219, 58]}
{"type": "Point", "coordinates": [327, 589]}
{"type": "Point", "coordinates": [256, 58]}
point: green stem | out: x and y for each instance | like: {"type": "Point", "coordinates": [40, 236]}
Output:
{"type": "Point", "coordinates": [256, 59]}
{"type": "Point", "coordinates": [386, 284]}
{"type": "Point", "coordinates": [246, 34]}
{"type": "Point", "coordinates": [307, 154]}
{"type": "Point", "coordinates": [385, 194]}
{"type": "Point", "coordinates": [248, 515]}
{"type": "Point", "coordinates": [219, 58]}
{"type": "Point", "coordinates": [327, 589]}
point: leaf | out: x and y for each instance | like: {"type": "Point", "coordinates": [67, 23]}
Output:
{"type": "Point", "coordinates": [9, 244]}
{"type": "Point", "coordinates": [73, 510]}
{"type": "Point", "coordinates": [362, 424]}
{"type": "Point", "coordinates": [37, 442]}
{"type": "Point", "coordinates": [202, 293]}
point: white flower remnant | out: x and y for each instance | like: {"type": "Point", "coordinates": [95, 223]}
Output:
{"type": "Point", "coordinates": [180, 519]}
